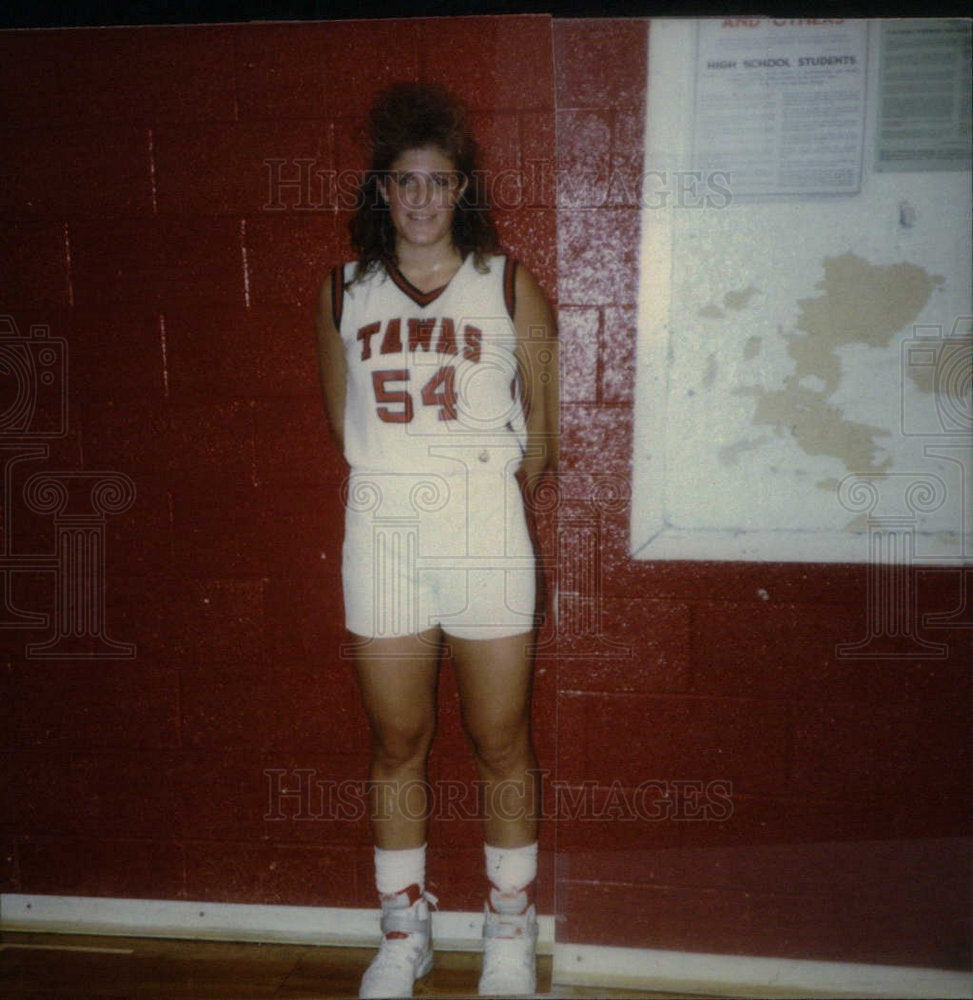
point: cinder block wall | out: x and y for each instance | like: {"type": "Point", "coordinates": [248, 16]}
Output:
{"type": "Point", "coordinates": [721, 781]}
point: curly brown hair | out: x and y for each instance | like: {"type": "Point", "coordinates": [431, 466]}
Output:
{"type": "Point", "coordinates": [410, 116]}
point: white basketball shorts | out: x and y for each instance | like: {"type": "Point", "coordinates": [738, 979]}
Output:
{"type": "Point", "coordinates": [422, 550]}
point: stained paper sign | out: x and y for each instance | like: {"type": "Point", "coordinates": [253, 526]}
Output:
{"type": "Point", "coordinates": [780, 104]}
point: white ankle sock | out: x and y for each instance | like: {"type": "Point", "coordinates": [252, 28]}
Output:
{"type": "Point", "coordinates": [511, 870]}
{"type": "Point", "coordinates": [396, 870]}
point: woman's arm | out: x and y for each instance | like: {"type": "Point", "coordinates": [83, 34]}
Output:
{"type": "Point", "coordinates": [538, 358]}
{"type": "Point", "coordinates": [331, 364]}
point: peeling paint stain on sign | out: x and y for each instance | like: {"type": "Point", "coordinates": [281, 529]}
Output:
{"type": "Point", "coordinates": [860, 303]}
{"type": "Point", "coordinates": [741, 299]}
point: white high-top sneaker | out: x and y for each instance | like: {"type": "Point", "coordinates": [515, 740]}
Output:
{"type": "Point", "coordinates": [405, 953]}
{"type": "Point", "coordinates": [509, 946]}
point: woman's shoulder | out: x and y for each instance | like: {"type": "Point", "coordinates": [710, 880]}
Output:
{"type": "Point", "coordinates": [503, 266]}
{"type": "Point", "coordinates": [346, 282]}
{"type": "Point", "coordinates": [355, 273]}
{"type": "Point", "coordinates": [498, 258]}
{"type": "Point", "coordinates": [511, 265]}
{"type": "Point", "coordinates": [340, 272]}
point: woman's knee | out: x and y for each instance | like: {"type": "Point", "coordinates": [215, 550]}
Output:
{"type": "Point", "coordinates": [501, 748]}
{"type": "Point", "coordinates": [395, 745]}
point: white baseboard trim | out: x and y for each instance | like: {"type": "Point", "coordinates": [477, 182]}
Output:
{"type": "Point", "coordinates": [574, 965]}
{"type": "Point", "coordinates": [746, 976]}
{"type": "Point", "coordinates": [314, 925]}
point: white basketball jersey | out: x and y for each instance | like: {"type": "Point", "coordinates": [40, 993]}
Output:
{"type": "Point", "coordinates": [432, 376]}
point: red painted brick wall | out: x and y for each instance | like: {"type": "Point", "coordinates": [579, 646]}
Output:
{"type": "Point", "coordinates": [143, 223]}
{"type": "Point", "coordinates": [141, 226]}
{"type": "Point", "coordinates": [733, 785]}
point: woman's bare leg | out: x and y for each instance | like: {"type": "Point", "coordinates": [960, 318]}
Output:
{"type": "Point", "coordinates": [494, 680]}
{"type": "Point", "coordinates": [398, 681]}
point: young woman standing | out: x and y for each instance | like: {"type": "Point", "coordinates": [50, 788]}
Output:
{"type": "Point", "coordinates": [439, 367]}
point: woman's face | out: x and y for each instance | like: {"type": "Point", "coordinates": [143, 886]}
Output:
{"type": "Point", "coordinates": [422, 189]}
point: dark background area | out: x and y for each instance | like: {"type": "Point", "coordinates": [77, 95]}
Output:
{"type": "Point", "coordinates": [50, 13]}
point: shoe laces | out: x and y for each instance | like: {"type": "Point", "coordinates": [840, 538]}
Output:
{"type": "Point", "coordinates": [509, 913]}
{"type": "Point", "coordinates": [507, 957]}
{"type": "Point", "coordinates": [501, 927]}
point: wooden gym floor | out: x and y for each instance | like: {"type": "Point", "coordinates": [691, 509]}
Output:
{"type": "Point", "coordinates": [77, 967]}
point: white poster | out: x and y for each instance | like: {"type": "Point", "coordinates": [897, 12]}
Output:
{"type": "Point", "coordinates": [804, 363]}
{"type": "Point", "coordinates": [924, 96]}
{"type": "Point", "coordinates": [780, 104]}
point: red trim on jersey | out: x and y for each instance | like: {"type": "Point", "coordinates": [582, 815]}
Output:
{"type": "Point", "coordinates": [337, 294]}
{"type": "Point", "coordinates": [510, 285]}
{"type": "Point", "coordinates": [418, 296]}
